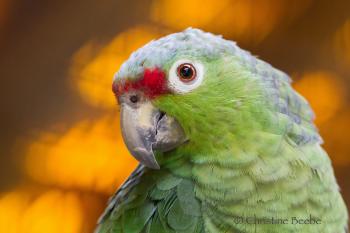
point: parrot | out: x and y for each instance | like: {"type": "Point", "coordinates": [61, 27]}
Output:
{"type": "Point", "coordinates": [224, 144]}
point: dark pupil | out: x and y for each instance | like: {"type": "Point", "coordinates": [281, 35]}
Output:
{"type": "Point", "coordinates": [186, 72]}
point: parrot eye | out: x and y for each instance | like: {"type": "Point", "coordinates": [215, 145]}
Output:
{"type": "Point", "coordinates": [185, 75]}
{"type": "Point", "coordinates": [186, 72]}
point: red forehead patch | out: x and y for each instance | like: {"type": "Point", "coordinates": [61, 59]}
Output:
{"type": "Point", "coordinates": [153, 83]}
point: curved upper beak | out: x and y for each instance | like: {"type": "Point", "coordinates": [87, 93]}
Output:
{"type": "Point", "coordinates": [145, 129]}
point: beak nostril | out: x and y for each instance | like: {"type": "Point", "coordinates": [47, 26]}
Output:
{"type": "Point", "coordinates": [134, 99]}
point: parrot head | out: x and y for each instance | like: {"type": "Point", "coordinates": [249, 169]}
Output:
{"type": "Point", "coordinates": [188, 90]}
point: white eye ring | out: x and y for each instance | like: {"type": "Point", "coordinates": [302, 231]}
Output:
{"type": "Point", "coordinates": [178, 84]}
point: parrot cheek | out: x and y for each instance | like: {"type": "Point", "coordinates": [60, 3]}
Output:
{"type": "Point", "coordinates": [145, 129]}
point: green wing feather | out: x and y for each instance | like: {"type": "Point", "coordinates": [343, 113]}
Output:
{"type": "Point", "coordinates": [153, 202]}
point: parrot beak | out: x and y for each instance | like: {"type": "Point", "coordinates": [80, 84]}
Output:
{"type": "Point", "coordinates": [146, 129]}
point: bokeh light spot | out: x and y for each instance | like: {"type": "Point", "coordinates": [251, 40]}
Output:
{"type": "Point", "coordinates": [324, 92]}
{"type": "Point", "coordinates": [336, 141]}
{"type": "Point", "coordinates": [53, 212]}
{"type": "Point", "coordinates": [12, 205]}
{"type": "Point", "coordinates": [94, 65]}
{"type": "Point", "coordinates": [91, 156]}
{"type": "Point", "coordinates": [35, 209]}
{"type": "Point", "coordinates": [244, 20]}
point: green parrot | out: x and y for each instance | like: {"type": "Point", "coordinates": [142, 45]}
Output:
{"type": "Point", "coordinates": [224, 142]}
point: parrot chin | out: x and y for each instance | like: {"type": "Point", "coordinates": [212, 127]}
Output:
{"type": "Point", "coordinates": [146, 129]}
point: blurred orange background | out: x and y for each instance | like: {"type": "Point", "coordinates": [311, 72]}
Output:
{"type": "Point", "coordinates": [61, 153]}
